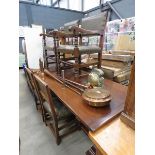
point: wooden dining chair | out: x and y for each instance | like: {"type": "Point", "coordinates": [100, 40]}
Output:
{"type": "Point", "coordinates": [30, 82]}
{"type": "Point", "coordinates": [56, 116]}
{"type": "Point", "coordinates": [63, 37]}
{"type": "Point", "coordinates": [90, 27]}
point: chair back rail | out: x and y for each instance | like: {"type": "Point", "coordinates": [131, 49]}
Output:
{"type": "Point", "coordinates": [45, 95]}
{"type": "Point", "coordinates": [69, 24]}
{"type": "Point", "coordinates": [96, 22]}
{"type": "Point", "coordinates": [29, 79]}
{"type": "Point", "coordinates": [31, 82]}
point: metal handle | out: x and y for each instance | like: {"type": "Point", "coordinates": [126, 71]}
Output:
{"type": "Point", "coordinates": [63, 77]}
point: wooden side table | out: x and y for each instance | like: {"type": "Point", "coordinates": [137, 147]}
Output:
{"type": "Point", "coordinates": [115, 138]}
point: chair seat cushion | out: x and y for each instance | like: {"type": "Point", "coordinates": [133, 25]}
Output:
{"type": "Point", "coordinates": [82, 49]}
{"type": "Point", "coordinates": [61, 111]}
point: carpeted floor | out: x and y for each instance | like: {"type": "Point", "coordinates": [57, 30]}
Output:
{"type": "Point", "coordinates": [36, 138]}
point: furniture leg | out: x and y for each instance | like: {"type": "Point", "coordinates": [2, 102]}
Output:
{"type": "Point", "coordinates": [76, 69]}
{"type": "Point", "coordinates": [58, 140]}
{"type": "Point", "coordinates": [99, 59]}
{"type": "Point", "coordinates": [79, 62]}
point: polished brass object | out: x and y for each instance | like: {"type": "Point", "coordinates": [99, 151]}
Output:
{"type": "Point", "coordinates": [97, 97]}
{"type": "Point", "coordinates": [95, 78]}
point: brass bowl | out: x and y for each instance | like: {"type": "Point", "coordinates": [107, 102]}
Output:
{"type": "Point", "coordinates": [97, 97]}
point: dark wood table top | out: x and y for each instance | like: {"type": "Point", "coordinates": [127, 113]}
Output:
{"type": "Point", "coordinates": [91, 117]}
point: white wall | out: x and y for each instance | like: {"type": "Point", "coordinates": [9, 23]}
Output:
{"type": "Point", "coordinates": [34, 48]}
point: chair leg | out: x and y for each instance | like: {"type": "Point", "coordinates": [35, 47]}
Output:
{"type": "Point", "coordinates": [19, 144]}
{"type": "Point", "coordinates": [64, 58]}
{"type": "Point", "coordinates": [42, 113]}
{"type": "Point", "coordinates": [45, 121]}
{"type": "Point", "coordinates": [58, 140]}
{"type": "Point", "coordinates": [43, 117]}
{"type": "Point", "coordinates": [54, 128]}
{"type": "Point", "coordinates": [30, 88]}
{"type": "Point", "coordinates": [36, 102]}
{"type": "Point", "coordinates": [35, 99]}
{"type": "Point", "coordinates": [99, 60]}
{"type": "Point", "coordinates": [79, 62]}
{"type": "Point", "coordinates": [76, 70]}
{"type": "Point", "coordinates": [58, 63]}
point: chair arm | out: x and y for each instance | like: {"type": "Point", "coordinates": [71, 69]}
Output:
{"type": "Point", "coordinates": [60, 34]}
{"type": "Point", "coordinates": [78, 30]}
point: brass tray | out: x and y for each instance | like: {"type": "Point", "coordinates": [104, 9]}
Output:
{"type": "Point", "coordinates": [97, 97]}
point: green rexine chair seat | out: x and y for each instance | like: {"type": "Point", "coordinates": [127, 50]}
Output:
{"type": "Point", "coordinates": [61, 111]}
{"type": "Point", "coordinates": [49, 48]}
{"type": "Point", "coordinates": [82, 49]}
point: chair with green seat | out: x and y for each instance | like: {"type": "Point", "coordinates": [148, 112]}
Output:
{"type": "Point", "coordinates": [57, 117]}
{"type": "Point", "coordinates": [33, 88]}
{"type": "Point", "coordinates": [51, 40]}
{"type": "Point", "coordinates": [30, 82]}
{"type": "Point", "coordinates": [90, 26]}
{"type": "Point", "coordinates": [49, 44]}
{"type": "Point", "coordinates": [63, 37]}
